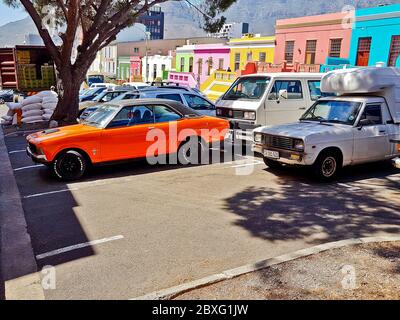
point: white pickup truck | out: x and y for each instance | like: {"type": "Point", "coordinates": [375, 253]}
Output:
{"type": "Point", "coordinates": [360, 125]}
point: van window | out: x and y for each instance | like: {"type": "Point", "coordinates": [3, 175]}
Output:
{"type": "Point", "coordinates": [293, 87]}
{"type": "Point", "coordinates": [248, 88]}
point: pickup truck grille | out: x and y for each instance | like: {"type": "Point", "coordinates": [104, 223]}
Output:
{"type": "Point", "coordinates": [279, 142]}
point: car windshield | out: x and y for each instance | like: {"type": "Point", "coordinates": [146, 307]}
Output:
{"type": "Point", "coordinates": [344, 112]}
{"type": "Point", "coordinates": [248, 88]}
{"type": "Point", "coordinates": [90, 92]}
{"type": "Point", "coordinates": [100, 117]}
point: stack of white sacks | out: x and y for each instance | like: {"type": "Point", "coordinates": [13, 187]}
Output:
{"type": "Point", "coordinates": [37, 108]}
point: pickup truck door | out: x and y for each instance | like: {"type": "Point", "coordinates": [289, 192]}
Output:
{"type": "Point", "coordinates": [371, 142]}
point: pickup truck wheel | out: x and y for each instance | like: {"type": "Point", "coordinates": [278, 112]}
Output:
{"type": "Point", "coordinates": [272, 163]}
{"type": "Point", "coordinates": [70, 165]}
{"type": "Point", "coordinates": [327, 166]}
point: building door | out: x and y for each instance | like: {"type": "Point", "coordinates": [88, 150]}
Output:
{"type": "Point", "coordinates": [311, 49]}
{"type": "Point", "coordinates": [363, 51]}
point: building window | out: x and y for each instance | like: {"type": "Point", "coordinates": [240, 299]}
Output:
{"type": "Point", "coordinates": [221, 64]}
{"type": "Point", "coordinates": [289, 52]}
{"type": "Point", "coordinates": [335, 48]}
{"type": "Point", "coordinates": [263, 57]}
{"type": "Point", "coordinates": [394, 51]}
{"type": "Point", "coordinates": [249, 56]}
{"type": "Point", "coordinates": [311, 49]}
{"type": "Point", "coordinates": [200, 63]}
{"type": "Point", "coordinates": [191, 64]}
{"type": "Point", "coordinates": [363, 51]}
{"type": "Point", "coordinates": [182, 64]}
{"type": "Point", "coordinates": [136, 50]}
{"type": "Point", "coordinates": [237, 61]}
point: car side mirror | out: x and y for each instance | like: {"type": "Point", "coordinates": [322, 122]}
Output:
{"type": "Point", "coordinates": [364, 122]}
{"type": "Point", "coordinates": [283, 95]}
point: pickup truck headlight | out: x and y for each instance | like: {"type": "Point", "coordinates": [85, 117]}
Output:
{"type": "Point", "coordinates": [249, 115]}
{"type": "Point", "coordinates": [257, 137]}
{"type": "Point", "coordinates": [299, 145]}
{"type": "Point", "coordinates": [219, 112]}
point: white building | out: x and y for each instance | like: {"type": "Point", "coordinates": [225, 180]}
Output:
{"type": "Point", "coordinates": [156, 66]}
{"type": "Point", "coordinates": [232, 30]}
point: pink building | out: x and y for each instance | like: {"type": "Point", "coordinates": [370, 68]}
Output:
{"type": "Point", "coordinates": [310, 40]}
{"type": "Point", "coordinates": [136, 68]}
{"type": "Point", "coordinates": [209, 58]}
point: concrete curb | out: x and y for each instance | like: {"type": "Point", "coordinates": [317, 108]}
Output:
{"type": "Point", "coordinates": [234, 273]}
{"type": "Point", "coordinates": [17, 260]}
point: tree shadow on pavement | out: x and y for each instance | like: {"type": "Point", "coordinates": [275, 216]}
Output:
{"type": "Point", "coordinates": [316, 213]}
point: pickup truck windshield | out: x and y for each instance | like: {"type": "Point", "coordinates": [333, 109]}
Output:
{"type": "Point", "coordinates": [101, 117]}
{"type": "Point", "coordinates": [344, 112]}
{"type": "Point", "coordinates": [248, 88]}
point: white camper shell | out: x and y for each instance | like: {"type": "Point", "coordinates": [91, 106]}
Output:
{"type": "Point", "coordinates": [360, 125]}
{"type": "Point", "coordinates": [379, 81]}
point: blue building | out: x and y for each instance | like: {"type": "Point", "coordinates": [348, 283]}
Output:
{"type": "Point", "coordinates": [154, 22]}
{"type": "Point", "coordinates": [376, 36]}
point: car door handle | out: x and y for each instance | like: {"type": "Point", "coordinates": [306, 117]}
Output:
{"type": "Point", "coordinates": [382, 131]}
{"type": "Point", "coordinates": [302, 108]}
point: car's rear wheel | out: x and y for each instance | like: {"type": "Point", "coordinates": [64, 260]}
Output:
{"type": "Point", "coordinates": [192, 151]}
{"type": "Point", "coordinates": [70, 165]}
{"type": "Point", "coordinates": [272, 163]}
{"type": "Point", "coordinates": [327, 166]}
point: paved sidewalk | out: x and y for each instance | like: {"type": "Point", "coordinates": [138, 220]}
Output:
{"type": "Point", "coordinates": [368, 271]}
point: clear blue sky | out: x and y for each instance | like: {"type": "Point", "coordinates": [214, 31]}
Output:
{"type": "Point", "coordinates": [8, 14]}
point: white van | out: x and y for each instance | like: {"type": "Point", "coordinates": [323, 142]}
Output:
{"type": "Point", "coordinates": [267, 99]}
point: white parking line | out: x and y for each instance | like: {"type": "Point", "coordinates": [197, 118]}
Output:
{"type": "Point", "coordinates": [17, 151]}
{"type": "Point", "coordinates": [29, 167]}
{"type": "Point", "coordinates": [47, 193]}
{"type": "Point", "coordinates": [77, 246]}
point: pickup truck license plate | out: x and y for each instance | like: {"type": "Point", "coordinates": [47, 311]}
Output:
{"type": "Point", "coordinates": [271, 154]}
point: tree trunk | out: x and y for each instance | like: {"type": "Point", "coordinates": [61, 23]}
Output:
{"type": "Point", "coordinates": [68, 86]}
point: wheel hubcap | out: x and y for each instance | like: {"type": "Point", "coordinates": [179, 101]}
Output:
{"type": "Point", "coordinates": [70, 165]}
{"type": "Point", "coordinates": [329, 167]}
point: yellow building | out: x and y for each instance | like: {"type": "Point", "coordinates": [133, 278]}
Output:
{"type": "Point", "coordinates": [251, 48]}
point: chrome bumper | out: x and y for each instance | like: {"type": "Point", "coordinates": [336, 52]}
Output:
{"type": "Point", "coordinates": [286, 156]}
{"type": "Point", "coordinates": [36, 158]}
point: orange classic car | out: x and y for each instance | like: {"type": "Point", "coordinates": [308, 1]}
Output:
{"type": "Point", "coordinates": [129, 129]}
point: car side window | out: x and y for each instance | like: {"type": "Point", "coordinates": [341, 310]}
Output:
{"type": "Point", "coordinates": [141, 115]}
{"type": "Point", "coordinates": [373, 113]}
{"type": "Point", "coordinates": [165, 114]}
{"type": "Point", "coordinates": [122, 119]}
{"type": "Point", "coordinates": [293, 87]}
{"type": "Point", "coordinates": [198, 103]}
{"type": "Point", "coordinates": [174, 97]}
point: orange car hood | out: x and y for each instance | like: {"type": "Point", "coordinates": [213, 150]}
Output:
{"type": "Point", "coordinates": [59, 133]}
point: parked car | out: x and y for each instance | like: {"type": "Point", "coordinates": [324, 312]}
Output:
{"type": "Point", "coordinates": [136, 85]}
{"type": "Point", "coordinates": [118, 131]}
{"type": "Point", "coordinates": [190, 99]}
{"type": "Point", "coordinates": [267, 99]}
{"type": "Point", "coordinates": [175, 87]}
{"type": "Point", "coordinates": [359, 126]}
{"type": "Point", "coordinates": [6, 96]}
{"type": "Point", "coordinates": [105, 96]}
{"type": "Point", "coordinates": [90, 94]}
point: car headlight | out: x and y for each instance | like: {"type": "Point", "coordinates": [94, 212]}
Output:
{"type": "Point", "coordinates": [219, 112]}
{"type": "Point", "coordinates": [299, 145]}
{"type": "Point", "coordinates": [249, 116]}
{"type": "Point", "coordinates": [257, 137]}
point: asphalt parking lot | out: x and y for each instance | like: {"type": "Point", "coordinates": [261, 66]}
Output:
{"type": "Point", "coordinates": [128, 230]}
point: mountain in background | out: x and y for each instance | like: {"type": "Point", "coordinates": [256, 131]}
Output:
{"type": "Point", "coordinates": [182, 21]}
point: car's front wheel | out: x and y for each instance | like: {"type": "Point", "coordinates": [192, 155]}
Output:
{"type": "Point", "coordinates": [70, 165]}
{"type": "Point", "coordinates": [327, 166]}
